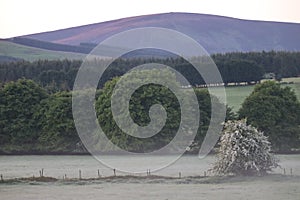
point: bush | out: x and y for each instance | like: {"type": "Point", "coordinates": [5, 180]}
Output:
{"type": "Point", "coordinates": [243, 151]}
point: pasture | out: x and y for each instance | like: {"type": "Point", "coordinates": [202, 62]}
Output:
{"type": "Point", "coordinates": [235, 95]}
{"type": "Point", "coordinates": [33, 54]}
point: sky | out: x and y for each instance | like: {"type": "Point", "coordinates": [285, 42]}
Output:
{"type": "Point", "coordinates": [21, 17]}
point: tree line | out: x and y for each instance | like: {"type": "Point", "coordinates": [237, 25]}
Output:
{"type": "Point", "coordinates": [35, 121]}
{"type": "Point", "coordinates": [249, 68]}
{"type": "Point", "coordinates": [282, 63]}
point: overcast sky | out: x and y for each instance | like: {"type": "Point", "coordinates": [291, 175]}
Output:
{"type": "Point", "coordinates": [20, 17]}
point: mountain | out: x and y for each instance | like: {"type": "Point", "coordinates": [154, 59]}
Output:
{"type": "Point", "coordinates": [216, 34]}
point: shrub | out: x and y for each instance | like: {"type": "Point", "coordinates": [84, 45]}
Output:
{"type": "Point", "coordinates": [243, 150]}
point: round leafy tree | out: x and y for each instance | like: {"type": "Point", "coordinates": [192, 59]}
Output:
{"type": "Point", "coordinates": [243, 151]}
{"type": "Point", "coordinates": [275, 110]}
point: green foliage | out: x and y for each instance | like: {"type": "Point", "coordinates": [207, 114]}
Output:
{"type": "Point", "coordinates": [55, 75]}
{"type": "Point", "coordinates": [55, 117]}
{"type": "Point", "coordinates": [33, 121]}
{"type": "Point", "coordinates": [276, 111]}
{"type": "Point", "coordinates": [19, 102]}
{"type": "Point", "coordinates": [140, 103]}
{"type": "Point", "coordinates": [237, 71]}
{"type": "Point", "coordinates": [243, 151]}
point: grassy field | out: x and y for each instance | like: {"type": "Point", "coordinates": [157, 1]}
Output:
{"type": "Point", "coordinates": [192, 185]}
{"type": "Point", "coordinates": [236, 94]}
{"type": "Point", "coordinates": [295, 86]}
{"type": "Point", "coordinates": [32, 54]}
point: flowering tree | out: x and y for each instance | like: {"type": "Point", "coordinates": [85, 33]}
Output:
{"type": "Point", "coordinates": [243, 151]}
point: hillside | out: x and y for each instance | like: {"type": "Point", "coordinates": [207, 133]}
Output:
{"type": "Point", "coordinates": [11, 52]}
{"type": "Point", "coordinates": [215, 33]}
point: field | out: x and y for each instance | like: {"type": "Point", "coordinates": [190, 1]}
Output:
{"type": "Point", "coordinates": [259, 189]}
{"type": "Point", "coordinates": [32, 54]}
{"type": "Point", "coordinates": [192, 185]}
{"type": "Point", "coordinates": [236, 94]}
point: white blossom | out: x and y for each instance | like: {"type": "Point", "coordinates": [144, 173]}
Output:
{"type": "Point", "coordinates": [243, 150]}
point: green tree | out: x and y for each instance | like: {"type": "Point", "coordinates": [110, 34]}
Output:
{"type": "Point", "coordinates": [19, 103]}
{"type": "Point", "coordinates": [276, 111]}
{"type": "Point", "coordinates": [139, 105]}
{"type": "Point", "coordinates": [55, 117]}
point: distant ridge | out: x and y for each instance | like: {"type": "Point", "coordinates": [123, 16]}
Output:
{"type": "Point", "coordinates": [216, 34]}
